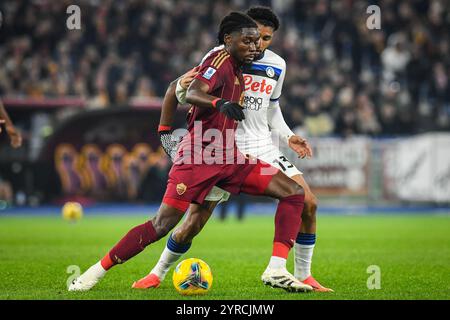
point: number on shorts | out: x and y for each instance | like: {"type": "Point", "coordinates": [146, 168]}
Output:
{"type": "Point", "coordinates": [283, 158]}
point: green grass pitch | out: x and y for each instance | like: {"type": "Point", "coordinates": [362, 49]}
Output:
{"type": "Point", "coordinates": [412, 251]}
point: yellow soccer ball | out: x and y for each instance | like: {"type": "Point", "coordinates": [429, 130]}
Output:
{"type": "Point", "coordinates": [192, 277]}
{"type": "Point", "coordinates": [72, 211]}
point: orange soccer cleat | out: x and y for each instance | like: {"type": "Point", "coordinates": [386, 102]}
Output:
{"type": "Point", "coordinates": [317, 287]}
{"type": "Point", "coordinates": [149, 281]}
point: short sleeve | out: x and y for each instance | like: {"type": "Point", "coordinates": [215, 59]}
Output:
{"type": "Point", "coordinates": [212, 70]}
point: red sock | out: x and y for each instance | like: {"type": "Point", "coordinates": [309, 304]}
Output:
{"type": "Point", "coordinates": [106, 262]}
{"type": "Point", "coordinates": [287, 224]}
{"type": "Point", "coordinates": [134, 242]}
{"type": "Point", "coordinates": [280, 250]}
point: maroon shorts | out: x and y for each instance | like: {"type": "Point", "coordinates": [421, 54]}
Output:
{"type": "Point", "coordinates": [193, 182]}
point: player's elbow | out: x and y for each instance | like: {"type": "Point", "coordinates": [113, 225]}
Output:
{"type": "Point", "coordinates": [192, 95]}
{"type": "Point", "coordinates": [171, 89]}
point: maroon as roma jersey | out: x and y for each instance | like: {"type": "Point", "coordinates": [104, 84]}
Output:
{"type": "Point", "coordinates": [224, 78]}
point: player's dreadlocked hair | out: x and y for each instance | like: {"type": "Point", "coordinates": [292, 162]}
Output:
{"type": "Point", "coordinates": [235, 21]}
{"type": "Point", "coordinates": [265, 16]}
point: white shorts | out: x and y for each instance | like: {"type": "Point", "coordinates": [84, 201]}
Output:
{"type": "Point", "coordinates": [271, 155]}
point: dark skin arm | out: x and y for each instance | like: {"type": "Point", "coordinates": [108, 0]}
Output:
{"type": "Point", "coordinates": [170, 102]}
{"type": "Point", "coordinates": [197, 94]}
{"type": "Point", "coordinates": [169, 106]}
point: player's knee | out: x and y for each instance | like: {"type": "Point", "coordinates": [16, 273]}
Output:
{"type": "Point", "coordinates": [296, 190]}
{"type": "Point", "coordinates": [295, 198]}
{"type": "Point", "coordinates": [310, 208]}
{"type": "Point", "coordinates": [291, 189]}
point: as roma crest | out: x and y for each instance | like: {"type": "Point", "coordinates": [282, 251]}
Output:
{"type": "Point", "coordinates": [181, 188]}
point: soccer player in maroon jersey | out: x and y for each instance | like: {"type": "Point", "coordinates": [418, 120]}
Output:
{"type": "Point", "coordinates": [198, 214]}
{"type": "Point", "coordinates": [215, 94]}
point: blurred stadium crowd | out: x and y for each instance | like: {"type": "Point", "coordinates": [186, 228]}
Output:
{"type": "Point", "coordinates": [342, 78]}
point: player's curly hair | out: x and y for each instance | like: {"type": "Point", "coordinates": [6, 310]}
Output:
{"type": "Point", "coordinates": [235, 21]}
{"type": "Point", "coordinates": [265, 16]}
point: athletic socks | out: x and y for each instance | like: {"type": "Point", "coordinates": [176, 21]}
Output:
{"type": "Point", "coordinates": [276, 263]}
{"type": "Point", "coordinates": [172, 252]}
{"type": "Point", "coordinates": [287, 224]}
{"type": "Point", "coordinates": [287, 220]}
{"type": "Point", "coordinates": [134, 242]}
{"type": "Point", "coordinates": [303, 252]}
{"type": "Point", "coordinates": [130, 245]}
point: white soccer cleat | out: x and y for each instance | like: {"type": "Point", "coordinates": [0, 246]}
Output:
{"type": "Point", "coordinates": [281, 278]}
{"type": "Point", "coordinates": [88, 279]}
{"type": "Point", "coordinates": [80, 285]}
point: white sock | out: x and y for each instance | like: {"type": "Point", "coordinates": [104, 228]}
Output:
{"type": "Point", "coordinates": [95, 272]}
{"type": "Point", "coordinates": [166, 260]}
{"type": "Point", "coordinates": [303, 258]}
{"type": "Point", "coordinates": [276, 263]}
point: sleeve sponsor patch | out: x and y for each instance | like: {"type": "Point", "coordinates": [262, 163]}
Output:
{"type": "Point", "coordinates": [209, 73]}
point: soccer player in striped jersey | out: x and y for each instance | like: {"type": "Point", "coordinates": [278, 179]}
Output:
{"type": "Point", "coordinates": [263, 84]}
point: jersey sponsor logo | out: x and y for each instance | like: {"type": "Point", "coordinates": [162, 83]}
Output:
{"type": "Point", "coordinates": [209, 73]}
{"type": "Point", "coordinates": [270, 72]}
{"type": "Point", "coordinates": [253, 103]}
{"type": "Point", "coordinates": [257, 86]}
{"type": "Point", "coordinates": [181, 188]}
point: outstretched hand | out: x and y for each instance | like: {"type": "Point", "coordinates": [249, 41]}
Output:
{"type": "Point", "coordinates": [300, 146]}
